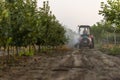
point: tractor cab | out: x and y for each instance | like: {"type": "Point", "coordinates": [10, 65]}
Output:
{"type": "Point", "coordinates": [84, 30]}
{"type": "Point", "coordinates": [86, 39]}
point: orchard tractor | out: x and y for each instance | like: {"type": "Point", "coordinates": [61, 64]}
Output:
{"type": "Point", "coordinates": [86, 39]}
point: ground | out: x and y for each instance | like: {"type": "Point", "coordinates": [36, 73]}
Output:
{"type": "Point", "coordinates": [85, 64]}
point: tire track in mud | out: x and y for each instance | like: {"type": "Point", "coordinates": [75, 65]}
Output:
{"type": "Point", "coordinates": [84, 64]}
{"type": "Point", "coordinates": [88, 64]}
{"type": "Point", "coordinates": [73, 67]}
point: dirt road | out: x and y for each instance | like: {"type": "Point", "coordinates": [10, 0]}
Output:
{"type": "Point", "coordinates": [86, 64]}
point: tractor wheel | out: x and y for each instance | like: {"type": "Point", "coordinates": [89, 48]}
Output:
{"type": "Point", "coordinates": [92, 45]}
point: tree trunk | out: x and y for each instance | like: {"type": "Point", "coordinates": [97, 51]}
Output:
{"type": "Point", "coordinates": [38, 48]}
{"type": "Point", "coordinates": [17, 50]}
{"type": "Point", "coordinates": [8, 54]}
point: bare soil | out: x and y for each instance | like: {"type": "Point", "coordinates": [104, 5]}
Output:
{"type": "Point", "coordinates": [85, 64]}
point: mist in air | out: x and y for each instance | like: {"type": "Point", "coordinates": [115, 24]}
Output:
{"type": "Point", "coordinates": [73, 38]}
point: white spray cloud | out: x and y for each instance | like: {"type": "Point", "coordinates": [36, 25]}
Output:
{"type": "Point", "coordinates": [73, 38]}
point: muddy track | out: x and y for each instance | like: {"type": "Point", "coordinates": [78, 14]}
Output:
{"type": "Point", "coordinates": [85, 64]}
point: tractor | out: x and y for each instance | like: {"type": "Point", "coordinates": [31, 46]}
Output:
{"type": "Point", "coordinates": [86, 39]}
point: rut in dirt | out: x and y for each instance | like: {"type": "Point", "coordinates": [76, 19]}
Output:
{"type": "Point", "coordinates": [85, 64]}
{"type": "Point", "coordinates": [88, 64]}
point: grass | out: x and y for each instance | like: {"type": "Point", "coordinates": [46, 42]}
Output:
{"type": "Point", "coordinates": [110, 49]}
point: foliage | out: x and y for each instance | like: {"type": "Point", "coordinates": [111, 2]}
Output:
{"type": "Point", "coordinates": [23, 24]}
{"type": "Point", "coordinates": [111, 11]}
{"type": "Point", "coordinates": [27, 53]}
{"type": "Point", "coordinates": [51, 31]}
{"type": "Point", "coordinates": [110, 49]}
{"type": "Point", "coordinates": [101, 30]}
{"type": "Point", "coordinates": [115, 50]}
{"type": "Point", "coordinates": [111, 22]}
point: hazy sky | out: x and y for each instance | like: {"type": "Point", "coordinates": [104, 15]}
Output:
{"type": "Point", "coordinates": [75, 12]}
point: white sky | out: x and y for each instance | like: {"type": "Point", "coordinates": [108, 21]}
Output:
{"type": "Point", "coordinates": [75, 12]}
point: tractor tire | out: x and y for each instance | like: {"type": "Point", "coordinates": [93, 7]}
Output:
{"type": "Point", "coordinates": [92, 45]}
